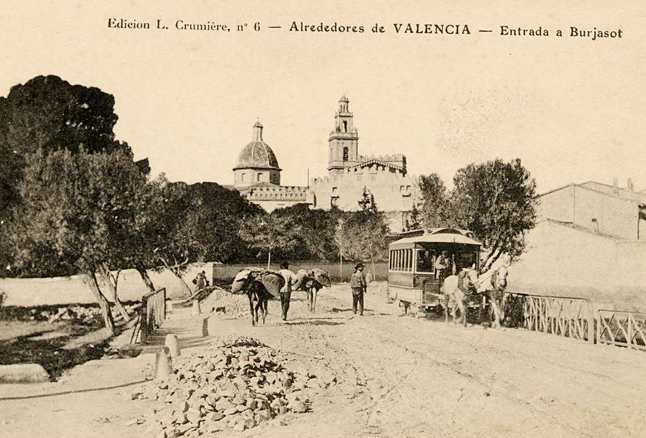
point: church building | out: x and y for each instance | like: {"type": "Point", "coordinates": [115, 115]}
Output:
{"type": "Point", "coordinates": [349, 173]}
{"type": "Point", "coordinates": [257, 176]}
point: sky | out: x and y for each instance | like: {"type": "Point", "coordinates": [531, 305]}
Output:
{"type": "Point", "coordinates": [571, 109]}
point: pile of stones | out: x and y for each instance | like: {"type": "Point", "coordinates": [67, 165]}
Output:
{"type": "Point", "coordinates": [237, 306]}
{"type": "Point", "coordinates": [237, 386]}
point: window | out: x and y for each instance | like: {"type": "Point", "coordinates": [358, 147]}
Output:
{"type": "Point", "coordinates": [345, 126]}
{"type": "Point", "coordinates": [346, 154]}
{"type": "Point", "coordinates": [259, 176]}
{"type": "Point", "coordinates": [334, 190]}
{"type": "Point", "coordinates": [243, 177]}
{"type": "Point", "coordinates": [424, 260]}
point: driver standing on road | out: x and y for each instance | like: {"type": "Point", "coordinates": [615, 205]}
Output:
{"type": "Point", "coordinates": [286, 291]}
{"type": "Point", "coordinates": [359, 287]}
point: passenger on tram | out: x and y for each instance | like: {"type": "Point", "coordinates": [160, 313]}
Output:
{"type": "Point", "coordinates": [442, 263]}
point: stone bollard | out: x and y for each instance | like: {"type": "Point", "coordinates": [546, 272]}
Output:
{"type": "Point", "coordinates": [163, 365]}
{"type": "Point", "coordinates": [205, 327]}
{"type": "Point", "coordinates": [173, 346]}
{"type": "Point", "coordinates": [196, 308]}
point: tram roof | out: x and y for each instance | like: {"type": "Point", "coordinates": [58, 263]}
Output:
{"type": "Point", "coordinates": [441, 235]}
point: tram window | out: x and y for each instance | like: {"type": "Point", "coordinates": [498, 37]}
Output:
{"type": "Point", "coordinates": [424, 260]}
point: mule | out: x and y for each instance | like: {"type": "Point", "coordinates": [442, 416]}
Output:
{"type": "Point", "coordinates": [260, 285]}
{"type": "Point", "coordinates": [454, 295]}
{"type": "Point", "coordinates": [311, 281]}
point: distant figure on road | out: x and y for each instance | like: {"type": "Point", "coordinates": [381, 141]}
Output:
{"type": "Point", "coordinates": [200, 281]}
{"type": "Point", "coordinates": [359, 287]}
{"type": "Point", "coordinates": [286, 291]}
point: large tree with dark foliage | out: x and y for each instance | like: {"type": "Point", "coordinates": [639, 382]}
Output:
{"type": "Point", "coordinates": [49, 114]}
{"type": "Point", "coordinates": [436, 210]}
{"type": "Point", "coordinates": [316, 232]}
{"type": "Point", "coordinates": [496, 200]}
{"type": "Point", "coordinates": [221, 212]}
{"type": "Point", "coordinates": [268, 234]}
{"type": "Point", "coordinates": [75, 215]}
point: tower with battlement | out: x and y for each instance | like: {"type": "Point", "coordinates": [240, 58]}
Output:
{"type": "Point", "coordinates": [349, 172]}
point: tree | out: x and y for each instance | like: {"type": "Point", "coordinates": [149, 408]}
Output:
{"type": "Point", "coordinates": [414, 220]}
{"type": "Point", "coordinates": [48, 113]}
{"type": "Point", "coordinates": [436, 209]}
{"type": "Point", "coordinates": [316, 232]}
{"type": "Point", "coordinates": [220, 212]}
{"type": "Point", "coordinates": [269, 232]}
{"type": "Point", "coordinates": [366, 231]}
{"type": "Point", "coordinates": [496, 201]}
{"type": "Point", "coordinates": [342, 242]}
{"type": "Point", "coordinates": [74, 210]}
{"type": "Point", "coordinates": [173, 234]}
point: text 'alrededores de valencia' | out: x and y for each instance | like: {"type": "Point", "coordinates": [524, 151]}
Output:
{"type": "Point", "coordinates": [409, 28]}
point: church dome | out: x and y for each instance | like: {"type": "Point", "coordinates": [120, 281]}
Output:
{"type": "Point", "coordinates": [257, 154]}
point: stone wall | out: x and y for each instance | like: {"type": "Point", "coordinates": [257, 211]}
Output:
{"type": "Point", "coordinates": [561, 260]}
{"type": "Point", "coordinates": [68, 290]}
{"type": "Point", "coordinates": [392, 190]}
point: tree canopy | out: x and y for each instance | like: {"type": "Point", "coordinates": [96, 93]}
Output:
{"type": "Point", "coordinates": [47, 113]}
{"type": "Point", "coordinates": [268, 233]}
{"type": "Point", "coordinates": [495, 200]}
{"type": "Point", "coordinates": [75, 214]}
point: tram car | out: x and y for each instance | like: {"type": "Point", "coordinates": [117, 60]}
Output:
{"type": "Point", "coordinates": [421, 260]}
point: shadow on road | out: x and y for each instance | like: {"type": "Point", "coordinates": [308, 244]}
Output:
{"type": "Point", "coordinates": [78, 391]}
{"type": "Point", "coordinates": [314, 322]}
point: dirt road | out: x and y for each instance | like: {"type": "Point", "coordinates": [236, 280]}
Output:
{"type": "Point", "coordinates": [402, 376]}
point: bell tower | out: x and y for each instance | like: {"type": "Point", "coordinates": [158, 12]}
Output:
{"type": "Point", "coordinates": [344, 139]}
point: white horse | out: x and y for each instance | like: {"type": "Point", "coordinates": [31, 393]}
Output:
{"type": "Point", "coordinates": [456, 296]}
{"type": "Point", "coordinates": [493, 286]}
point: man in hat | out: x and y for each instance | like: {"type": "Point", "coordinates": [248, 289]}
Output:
{"type": "Point", "coordinates": [359, 287]}
{"type": "Point", "coordinates": [286, 291]}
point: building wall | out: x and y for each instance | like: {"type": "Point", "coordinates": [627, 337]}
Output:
{"type": "Point", "coordinates": [595, 211]}
{"type": "Point", "coordinates": [560, 260]}
{"type": "Point", "coordinates": [242, 177]}
{"type": "Point", "coordinates": [74, 289]}
{"type": "Point", "coordinates": [558, 205]}
{"type": "Point", "coordinates": [271, 197]}
{"type": "Point", "coordinates": [614, 216]}
{"type": "Point", "coordinates": [392, 191]}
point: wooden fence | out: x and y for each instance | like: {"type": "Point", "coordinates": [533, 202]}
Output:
{"type": "Point", "coordinates": [621, 328]}
{"type": "Point", "coordinates": [561, 316]}
{"type": "Point", "coordinates": [153, 312]}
